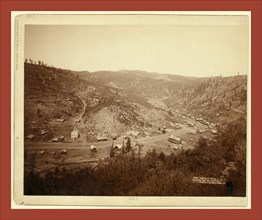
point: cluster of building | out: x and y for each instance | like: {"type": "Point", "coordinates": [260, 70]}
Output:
{"type": "Point", "coordinates": [126, 146]}
{"type": "Point", "coordinates": [75, 134]}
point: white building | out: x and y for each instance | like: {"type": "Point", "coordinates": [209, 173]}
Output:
{"type": "Point", "coordinates": [75, 134]}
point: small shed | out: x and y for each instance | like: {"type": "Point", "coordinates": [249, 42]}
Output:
{"type": "Point", "coordinates": [192, 131]}
{"type": "Point", "coordinates": [118, 147]}
{"type": "Point", "coordinates": [44, 131]}
{"type": "Point", "coordinates": [175, 147]}
{"type": "Point", "coordinates": [214, 131]}
{"type": "Point", "coordinates": [93, 148]}
{"type": "Point", "coordinates": [55, 139]}
{"type": "Point", "coordinates": [30, 136]}
{"type": "Point", "coordinates": [58, 120]}
{"type": "Point", "coordinates": [101, 138]}
{"type": "Point", "coordinates": [61, 138]}
{"type": "Point", "coordinates": [58, 139]}
{"type": "Point", "coordinates": [77, 120]}
{"type": "Point", "coordinates": [64, 151]}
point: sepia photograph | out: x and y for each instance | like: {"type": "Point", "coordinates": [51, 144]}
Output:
{"type": "Point", "coordinates": [134, 106]}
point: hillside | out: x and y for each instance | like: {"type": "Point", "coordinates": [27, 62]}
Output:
{"type": "Point", "coordinates": [49, 93]}
{"type": "Point", "coordinates": [52, 93]}
{"type": "Point", "coordinates": [222, 99]}
{"type": "Point", "coordinates": [141, 83]}
{"type": "Point", "coordinates": [115, 102]}
{"type": "Point", "coordinates": [214, 98]}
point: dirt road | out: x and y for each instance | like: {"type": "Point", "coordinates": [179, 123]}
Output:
{"type": "Point", "coordinates": [84, 108]}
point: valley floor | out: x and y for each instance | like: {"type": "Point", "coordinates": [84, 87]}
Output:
{"type": "Point", "coordinates": [48, 154]}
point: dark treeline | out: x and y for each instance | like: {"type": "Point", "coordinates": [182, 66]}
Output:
{"type": "Point", "coordinates": [156, 174]}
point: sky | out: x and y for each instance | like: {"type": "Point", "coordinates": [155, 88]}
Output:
{"type": "Point", "coordinates": [190, 49]}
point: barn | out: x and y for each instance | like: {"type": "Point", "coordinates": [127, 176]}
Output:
{"type": "Point", "coordinates": [174, 139]}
